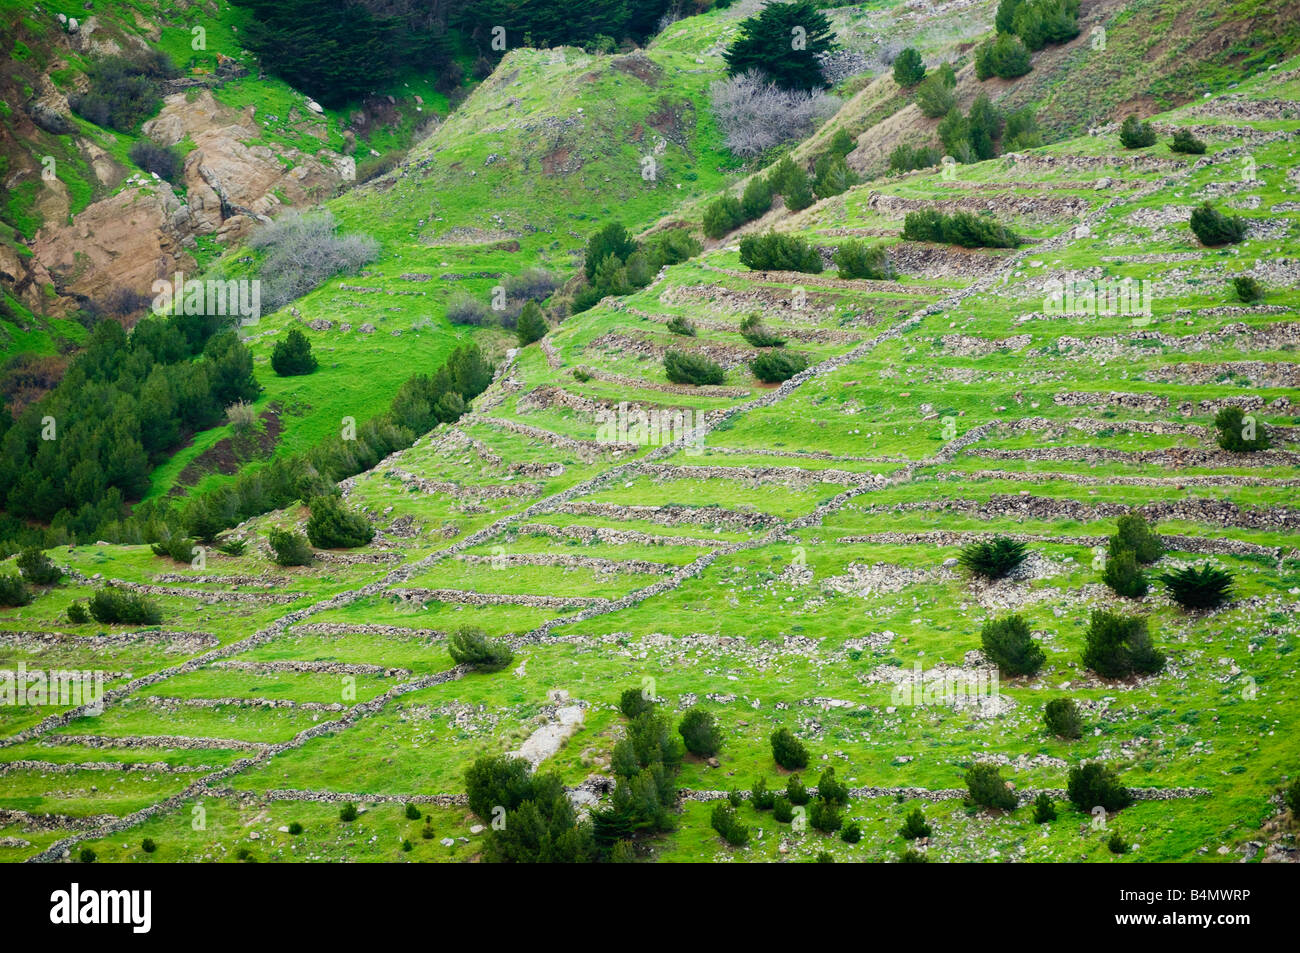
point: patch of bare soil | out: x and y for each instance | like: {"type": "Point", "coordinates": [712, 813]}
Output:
{"type": "Point", "coordinates": [227, 455]}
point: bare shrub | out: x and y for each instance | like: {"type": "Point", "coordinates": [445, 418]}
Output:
{"type": "Point", "coordinates": [467, 310]}
{"type": "Point", "coordinates": [304, 250]}
{"type": "Point", "coordinates": [535, 284]}
{"type": "Point", "coordinates": [755, 114]}
{"type": "Point", "coordinates": [241, 416]}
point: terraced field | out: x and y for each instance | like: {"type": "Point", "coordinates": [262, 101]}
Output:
{"type": "Point", "coordinates": [789, 561]}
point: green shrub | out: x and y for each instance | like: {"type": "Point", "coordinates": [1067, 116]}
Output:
{"type": "Point", "coordinates": [723, 215]}
{"type": "Point", "coordinates": [1062, 718]}
{"type": "Point", "coordinates": [332, 525]}
{"type": "Point", "coordinates": [913, 856]}
{"type": "Point", "coordinates": [909, 68]}
{"type": "Point", "coordinates": [994, 558]}
{"type": "Point", "coordinates": [112, 605]}
{"type": "Point", "coordinates": [682, 326]}
{"type": "Point", "coordinates": [37, 568]}
{"type": "Point", "coordinates": [831, 789]}
{"type": "Point", "coordinates": [700, 733]}
{"type": "Point", "coordinates": [1136, 134]}
{"type": "Point", "coordinates": [914, 825]}
{"type": "Point", "coordinates": [788, 751]}
{"type": "Point", "coordinates": [148, 846]}
{"type": "Point", "coordinates": [348, 812]}
{"type": "Point", "coordinates": [292, 357]}
{"type": "Point", "coordinates": [612, 239]}
{"type": "Point", "coordinates": [685, 367]}
{"type": "Point", "coordinates": [77, 614]}
{"type": "Point", "coordinates": [987, 789]}
{"type": "Point", "coordinates": [756, 333]}
{"type": "Point", "coordinates": [531, 325]}
{"type": "Point", "coordinates": [960, 228]}
{"type": "Point", "coordinates": [1198, 587]}
{"type": "Point", "coordinates": [633, 702]}
{"type": "Point", "coordinates": [623, 852]}
{"type": "Point", "coordinates": [905, 158]}
{"type": "Point", "coordinates": [842, 143]}
{"type": "Point", "coordinates": [1044, 809]}
{"type": "Point", "coordinates": [1186, 143]}
{"type": "Point", "coordinates": [1021, 131]}
{"type": "Point", "coordinates": [936, 94]}
{"type": "Point", "coordinates": [1005, 57]}
{"type": "Point", "coordinates": [782, 810]}
{"type": "Point", "coordinates": [471, 646]}
{"type": "Point", "coordinates": [851, 832]}
{"type": "Point", "coordinates": [13, 591]}
{"type": "Point", "coordinates": [857, 259]}
{"type": "Point", "coordinates": [831, 176]}
{"type": "Point", "coordinates": [87, 856]}
{"type": "Point", "coordinates": [796, 792]}
{"type": "Point", "coordinates": [176, 547]}
{"type": "Point", "coordinates": [825, 816]}
{"type": "Point", "coordinates": [1117, 646]}
{"type": "Point", "coordinates": [295, 828]}
{"type": "Point", "coordinates": [760, 796]}
{"type": "Point", "coordinates": [1247, 289]}
{"type": "Point", "coordinates": [1124, 576]}
{"type": "Point", "coordinates": [289, 548]}
{"type": "Point", "coordinates": [773, 367]}
{"type": "Point", "coordinates": [757, 198]}
{"type": "Point", "coordinates": [1093, 784]}
{"type": "Point", "coordinates": [1009, 644]}
{"type": "Point", "coordinates": [122, 91]}
{"type": "Point", "coordinates": [778, 251]}
{"type": "Point", "coordinates": [1239, 433]}
{"type": "Point", "coordinates": [412, 812]}
{"type": "Point", "coordinates": [1116, 844]}
{"type": "Point", "coordinates": [1133, 533]}
{"type": "Point", "coordinates": [724, 821]}
{"type": "Point", "coordinates": [1213, 228]}
{"type": "Point", "coordinates": [791, 182]}
{"type": "Point", "coordinates": [497, 781]}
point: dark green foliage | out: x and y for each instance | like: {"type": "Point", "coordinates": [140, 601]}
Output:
{"type": "Point", "coordinates": [760, 796]}
{"type": "Point", "coordinates": [232, 546]}
{"type": "Point", "coordinates": [122, 91]}
{"type": "Point", "coordinates": [532, 324]}
{"type": "Point", "coordinates": [788, 751]}
{"type": "Point", "coordinates": [1116, 844]}
{"type": "Point", "coordinates": [612, 239]}
{"type": "Point", "coordinates": [1094, 784]}
{"type": "Point", "coordinates": [960, 228]}
{"type": "Point", "coordinates": [412, 812]}
{"type": "Point", "coordinates": [686, 367]}
{"type": "Point", "coordinates": [1247, 289]}
{"type": "Point", "coordinates": [842, 143]}
{"type": "Point", "coordinates": [616, 265]}
{"type": "Point", "coordinates": [1005, 57]}
{"type": "Point", "coordinates": [163, 162]}
{"type": "Point", "coordinates": [37, 568]}
{"type": "Point", "coordinates": [1136, 134]}
{"type": "Point", "coordinates": [1213, 228]}
{"type": "Point", "coordinates": [348, 813]}
{"type": "Point", "coordinates": [497, 781]}
{"type": "Point", "coordinates": [1044, 809]}
{"type": "Point", "coordinates": [13, 591]}
{"type": "Point", "coordinates": [1040, 22]}
{"type": "Point", "coordinates": [633, 702]}
{"type": "Point", "coordinates": [778, 251]}
{"type": "Point", "coordinates": [724, 821]}
{"type": "Point", "coordinates": [111, 605]}
{"type": "Point", "coordinates": [1186, 143]}
{"type": "Point", "coordinates": [1124, 576]}
{"type": "Point", "coordinates": [796, 792]}
{"type": "Point", "coordinates": [756, 333]}
{"type": "Point", "coordinates": [756, 199]}
{"type": "Point", "coordinates": [831, 176]}
{"type": "Point", "coordinates": [87, 856]}
{"type": "Point", "coordinates": [681, 326]}
{"type": "Point", "coordinates": [148, 846]}
{"type": "Point", "coordinates": [791, 182]}
{"type": "Point", "coordinates": [825, 816]}
{"type": "Point", "coordinates": [1117, 646]}
{"type": "Point", "coordinates": [914, 825]}
{"type": "Point", "coordinates": [905, 158]}
{"type": "Point", "coordinates": [857, 259]}
{"type": "Point", "coordinates": [623, 852]}
{"type": "Point", "coordinates": [289, 548]}
{"type": "Point", "coordinates": [851, 832]}
{"type": "Point", "coordinates": [832, 789]}
{"type": "Point", "coordinates": [773, 367]}
{"type": "Point", "coordinates": [782, 810]}
{"type": "Point", "coordinates": [765, 44]}
{"type": "Point", "coordinates": [542, 829]}
{"type": "Point", "coordinates": [723, 215]}
{"type": "Point", "coordinates": [334, 525]}
{"type": "Point", "coordinates": [913, 856]}
{"type": "Point", "coordinates": [735, 798]}
{"type": "Point", "coordinates": [1239, 433]}
{"type": "Point", "coordinates": [295, 828]}
{"type": "Point", "coordinates": [936, 95]}
{"type": "Point", "coordinates": [994, 558]}
{"type": "Point", "coordinates": [699, 731]}
{"type": "Point", "coordinates": [175, 547]}
{"type": "Point", "coordinates": [1134, 533]}
{"type": "Point", "coordinates": [909, 68]}
{"type": "Point", "coordinates": [77, 613]}
{"type": "Point", "coordinates": [1198, 587]}
{"type": "Point", "coordinates": [1062, 718]}
{"type": "Point", "coordinates": [645, 763]}
{"type": "Point", "coordinates": [1008, 643]}
{"type": "Point", "coordinates": [1021, 131]}
{"type": "Point", "coordinates": [339, 53]}
{"type": "Point", "coordinates": [987, 789]}
{"type": "Point", "coordinates": [292, 355]}
{"type": "Point", "coordinates": [471, 646]}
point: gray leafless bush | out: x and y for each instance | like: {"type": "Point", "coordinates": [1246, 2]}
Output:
{"type": "Point", "coordinates": [755, 114]}
{"type": "Point", "coordinates": [304, 250]}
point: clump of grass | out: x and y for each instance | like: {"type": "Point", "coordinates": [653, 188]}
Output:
{"type": "Point", "coordinates": [995, 558]}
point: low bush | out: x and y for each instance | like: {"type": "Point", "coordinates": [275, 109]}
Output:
{"type": "Point", "coordinates": [148, 846]}
{"type": "Point", "coordinates": [782, 810]}
{"type": "Point", "coordinates": [1062, 718]}
{"type": "Point", "coordinates": [333, 525]}
{"type": "Point", "coordinates": [788, 751]}
{"type": "Point", "coordinates": [1124, 576]}
{"type": "Point", "coordinates": [37, 568]}
{"type": "Point", "coordinates": [1198, 587]}
{"type": "Point", "coordinates": [756, 333]}
{"type": "Point", "coordinates": [905, 158]}
{"type": "Point", "coordinates": [914, 825]}
{"type": "Point", "coordinates": [825, 816]}
{"type": "Point", "coordinates": [468, 312]}
{"type": "Point", "coordinates": [1005, 57]}
{"type": "Point", "coordinates": [412, 812]}
{"type": "Point", "coordinates": [1247, 289]}
{"type": "Point", "coordinates": [1117, 646]}
{"type": "Point", "coordinates": [299, 251]}
{"type": "Point", "coordinates": [1008, 643]}
{"type": "Point", "coordinates": [851, 832]}
{"type": "Point", "coordinates": [289, 548]}
{"type": "Point", "coordinates": [14, 591]}
{"type": "Point", "coordinates": [700, 733]}
{"type": "Point", "coordinates": [857, 259]}
{"type": "Point", "coordinates": [681, 326]}
{"type": "Point", "coordinates": [994, 558]}
{"type": "Point", "coordinates": [111, 605]}
{"type": "Point", "coordinates": [987, 789]}
{"type": "Point", "coordinates": [723, 215]}
{"type": "Point", "coordinates": [77, 613]}
{"type": "Point", "coordinates": [936, 94]}
{"type": "Point", "coordinates": [1239, 433]}
{"type": "Point", "coordinates": [1186, 143]}
{"type": "Point", "coordinates": [1044, 809]}
{"type": "Point", "coordinates": [531, 325]}
{"type": "Point", "coordinates": [773, 367]}
{"type": "Point", "coordinates": [157, 159]}
{"type": "Point", "coordinates": [960, 228]}
{"type": "Point", "coordinates": [760, 797]}
{"type": "Point", "coordinates": [471, 646]}
{"type": "Point", "coordinates": [909, 68]}
{"type": "Point", "coordinates": [175, 547]}
{"type": "Point", "coordinates": [292, 355]}
{"type": "Point", "coordinates": [725, 822]}
{"type": "Point", "coordinates": [1136, 134]}
{"type": "Point", "coordinates": [634, 702]}
{"type": "Point", "coordinates": [684, 367]}
{"type": "Point", "coordinates": [348, 812]}
{"type": "Point", "coordinates": [1094, 784]}
{"type": "Point", "coordinates": [777, 251]}
{"type": "Point", "coordinates": [756, 200]}
{"type": "Point", "coordinates": [796, 792]}
{"type": "Point", "coordinates": [1212, 228]}
{"type": "Point", "coordinates": [1133, 533]}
